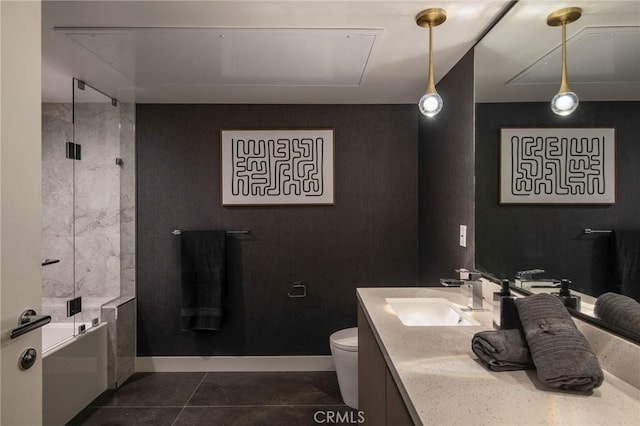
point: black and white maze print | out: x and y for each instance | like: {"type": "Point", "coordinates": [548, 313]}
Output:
{"type": "Point", "coordinates": [276, 167]}
{"type": "Point", "coordinates": [558, 166]}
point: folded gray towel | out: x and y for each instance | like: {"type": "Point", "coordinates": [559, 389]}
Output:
{"type": "Point", "coordinates": [560, 352]}
{"type": "Point", "coordinates": [502, 350]}
{"type": "Point", "coordinates": [620, 311]}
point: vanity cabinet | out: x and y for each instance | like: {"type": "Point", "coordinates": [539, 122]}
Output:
{"type": "Point", "coordinates": [378, 395]}
{"type": "Point", "coordinates": [397, 413]}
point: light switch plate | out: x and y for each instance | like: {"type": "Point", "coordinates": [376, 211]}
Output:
{"type": "Point", "coordinates": [463, 235]}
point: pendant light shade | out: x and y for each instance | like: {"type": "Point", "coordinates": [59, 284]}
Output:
{"type": "Point", "coordinates": [430, 103]}
{"type": "Point", "coordinates": [565, 101]}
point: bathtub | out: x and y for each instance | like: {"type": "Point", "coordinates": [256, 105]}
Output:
{"type": "Point", "coordinates": [74, 371]}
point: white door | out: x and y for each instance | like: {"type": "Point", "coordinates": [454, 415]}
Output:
{"type": "Point", "coordinates": [20, 207]}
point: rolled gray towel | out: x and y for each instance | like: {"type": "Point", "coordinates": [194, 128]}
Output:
{"type": "Point", "coordinates": [502, 350]}
{"type": "Point", "coordinates": [560, 352]}
{"type": "Point", "coordinates": [620, 311]}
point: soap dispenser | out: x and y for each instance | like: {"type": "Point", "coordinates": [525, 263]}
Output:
{"type": "Point", "coordinates": [569, 300]}
{"type": "Point", "coordinates": [505, 315]}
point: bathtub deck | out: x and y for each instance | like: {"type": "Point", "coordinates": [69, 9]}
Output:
{"type": "Point", "coordinates": [74, 373]}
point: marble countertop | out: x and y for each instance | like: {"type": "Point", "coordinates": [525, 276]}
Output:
{"type": "Point", "coordinates": [442, 383]}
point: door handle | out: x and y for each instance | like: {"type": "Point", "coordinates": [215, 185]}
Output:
{"type": "Point", "coordinates": [29, 321]}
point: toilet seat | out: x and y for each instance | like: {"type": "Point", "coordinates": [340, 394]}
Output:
{"type": "Point", "coordinates": [346, 340]}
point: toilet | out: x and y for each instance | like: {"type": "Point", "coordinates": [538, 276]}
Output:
{"type": "Point", "coordinates": [344, 350]}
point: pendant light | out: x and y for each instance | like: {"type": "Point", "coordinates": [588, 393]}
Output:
{"type": "Point", "coordinates": [431, 103]}
{"type": "Point", "coordinates": [565, 101]}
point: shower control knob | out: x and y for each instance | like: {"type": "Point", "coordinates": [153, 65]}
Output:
{"type": "Point", "coordinates": [28, 358]}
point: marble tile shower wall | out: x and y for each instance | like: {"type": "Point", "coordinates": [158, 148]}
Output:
{"type": "Point", "coordinates": [127, 201]}
{"type": "Point", "coordinates": [104, 207]}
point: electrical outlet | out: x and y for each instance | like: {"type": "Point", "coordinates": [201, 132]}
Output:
{"type": "Point", "coordinates": [463, 235]}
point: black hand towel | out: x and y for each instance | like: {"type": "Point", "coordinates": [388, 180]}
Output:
{"type": "Point", "coordinates": [502, 350]}
{"type": "Point", "coordinates": [560, 352]}
{"type": "Point", "coordinates": [620, 311]}
{"type": "Point", "coordinates": [627, 248]}
{"type": "Point", "coordinates": [203, 279]}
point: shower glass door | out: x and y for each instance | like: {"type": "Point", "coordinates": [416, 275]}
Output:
{"type": "Point", "coordinates": [57, 221]}
{"type": "Point", "coordinates": [97, 199]}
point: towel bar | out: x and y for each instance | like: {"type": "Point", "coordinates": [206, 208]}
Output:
{"type": "Point", "coordinates": [244, 231]}
{"type": "Point", "coordinates": [597, 231]}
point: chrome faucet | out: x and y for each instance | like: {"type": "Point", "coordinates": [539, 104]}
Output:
{"type": "Point", "coordinates": [475, 295]}
{"type": "Point", "coordinates": [525, 279]}
{"type": "Point", "coordinates": [471, 280]}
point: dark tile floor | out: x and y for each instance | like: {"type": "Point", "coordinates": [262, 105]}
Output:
{"type": "Point", "coordinates": [213, 399]}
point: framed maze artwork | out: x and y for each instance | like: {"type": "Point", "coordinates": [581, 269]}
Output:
{"type": "Point", "coordinates": [557, 166]}
{"type": "Point", "coordinates": [277, 167]}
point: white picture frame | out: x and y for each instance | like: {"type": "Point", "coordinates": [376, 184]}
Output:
{"type": "Point", "coordinates": [557, 166]}
{"type": "Point", "coordinates": [277, 167]}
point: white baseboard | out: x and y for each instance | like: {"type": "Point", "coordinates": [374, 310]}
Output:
{"type": "Point", "coordinates": [234, 363]}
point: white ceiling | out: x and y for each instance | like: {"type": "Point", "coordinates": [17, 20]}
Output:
{"type": "Point", "coordinates": [603, 53]}
{"type": "Point", "coordinates": [598, 55]}
{"type": "Point", "coordinates": [135, 50]}
{"type": "Point", "coordinates": [233, 56]}
{"type": "Point", "coordinates": [296, 51]}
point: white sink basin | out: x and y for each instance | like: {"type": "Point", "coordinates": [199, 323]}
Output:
{"type": "Point", "coordinates": [416, 311]}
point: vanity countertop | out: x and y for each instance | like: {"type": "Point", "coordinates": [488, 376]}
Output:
{"type": "Point", "coordinates": [442, 383]}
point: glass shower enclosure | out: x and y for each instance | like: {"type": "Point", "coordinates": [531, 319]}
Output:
{"type": "Point", "coordinates": [81, 169]}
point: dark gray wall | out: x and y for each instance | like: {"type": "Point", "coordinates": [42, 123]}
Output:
{"type": "Point", "coordinates": [516, 237]}
{"type": "Point", "coordinates": [446, 165]}
{"type": "Point", "coordinates": [369, 238]}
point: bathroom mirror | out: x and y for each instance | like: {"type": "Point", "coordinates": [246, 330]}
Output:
{"type": "Point", "coordinates": [517, 72]}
